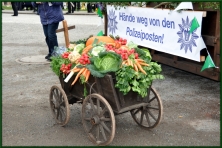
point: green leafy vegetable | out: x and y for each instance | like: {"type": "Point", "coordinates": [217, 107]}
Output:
{"type": "Point", "coordinates": [81, 41]}
{"type": "Point", "coordinates": [147, 53]}
{"type": "Point", "coordinates": [129, 80]}
{"type": "Point", "coordinates": [94, 71]}
{"type": "Point", "coordinates": [143, 54]}
{"type": "Point", "coordinates": [107, 62]}
{"type": "Point", "coordinates": [56, 63]}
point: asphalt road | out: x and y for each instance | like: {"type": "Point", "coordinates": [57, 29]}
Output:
{"type": "Point", "coordinates": [191, 103]}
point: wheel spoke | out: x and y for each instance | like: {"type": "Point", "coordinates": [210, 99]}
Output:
{"type": "Point", "coordinates": [63, 111]}
{"type": "Point", "coordinates": [56, 94]}
{"type": "Point", "coordinates": [88, 110]}
{"type": "Point", "coordinates": [87, 119]}
{"type": "Point", "coordinates": [98, 106]}
{"type": "Point", "coordinates": [61, 115]}
{"type": "Point", "coordinates": [60, 95]}
{"type": "Point", "coordinates": [152, 99]}
{"type": "Point", "coordinates": [52, 104]}
{"type": "Point", "coordinates": [92, 105]}
{"type": "Point", "coordinates": [91, 136]}
{"type": "Point", "coordinates": [105, 119]}
{"type": "Point", "coordinates": [103, 132]}
{"type": "Point", "coordinates": [60, 99]}
{"type": "Point", "coordinates": [91, 128]}
{"type": "Point", "coordinates": [147, 119]}
{"type": "Point", "coordinates": [62, 103]}
{"type": "Point", "coordinates": [103, 111]}
{"type": "Point", "coordinates": [151, 115]}
{"type": "Point", "coordinates": [134, 113]}
{"type": "Point", "coordinates": [141, 119]}
{"type": "Point", "coordinates": [150, 107]}
{"type": "Point", "coordinates": [105, 127]}
{"type": "Point", "coordinates": [57, 115]}
{"type": "Point", "coordinates": [97, 132]}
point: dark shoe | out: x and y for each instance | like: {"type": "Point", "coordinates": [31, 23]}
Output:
{"type": "Point", "coordinates": [67, 12]}
{"type": "Point", "coordinates": [48, 56]}
{"type": "Point", "coordinates": [14, 15]}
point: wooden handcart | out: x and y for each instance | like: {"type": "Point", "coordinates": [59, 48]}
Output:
{"type": "Point", "coordinates": [100, 106]}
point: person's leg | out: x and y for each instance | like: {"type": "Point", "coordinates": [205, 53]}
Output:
{"type": "Point", "coordinates": [72, 6]}
{"type": "Point", "coordinates": [15, 9]}
{"type": "Point", "coordinates": [87, 7]}
{"type": "Point", "coordinates": [69, 8]}
{"type": "Point", "coordinates": [52, 37]}
{"type": "Point", "coordinates": [74, 9]}
{"type": "Point", "coordinates": [78, 6]}
{"type": "Point", "coordinates": [45, 30]}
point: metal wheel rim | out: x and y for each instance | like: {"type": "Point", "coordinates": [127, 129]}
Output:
{"type": "Point", "coordinates": [149, 117]}
{"type": "Point", "coordinates": [59, 105]}
{"type": "Point", "coordinates": [98, 122]}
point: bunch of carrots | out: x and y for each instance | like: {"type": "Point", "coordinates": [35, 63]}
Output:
{"type": "Point", "coordinates": [81, 72]}
{"type": "Point", "coordinates": [136, 64]}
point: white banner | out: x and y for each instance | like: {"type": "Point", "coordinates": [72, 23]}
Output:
{"type": "Point", "coordinates": [159, 29]}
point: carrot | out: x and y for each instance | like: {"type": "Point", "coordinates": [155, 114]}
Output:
{"type": "Point", "coordinates": [84, 72]}
{"type": "Point", "coordinates": [144, 64]}
{"type": "Point", "coordinates": [87, 49]}
{"type": "Point", "coordinates": [129, 62]}
{"type": "Point", "coordinates": [76, 69]}
{"type": "Point", "coordinates": [135, 67]}
{"type": "Point", "coordinates": [78, 75]}
{"type": "Point", "coordinates": [140, 67]}
{"type": "Point", "coordinates": [139, 60]}
{"type": "Point", "coordinates": [123, 63]}
{"type": "Point", "coordinates": [87, 75]}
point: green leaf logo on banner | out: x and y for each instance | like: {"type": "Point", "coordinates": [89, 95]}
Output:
{"type": "Point", "coordinates": [99, 12]}
{"type": "Point", "coordinates": [208, 63]}
{"type": "Point", "coordinates": [194, 25]}
{"type": "Point", "coordinates": [100, 33]}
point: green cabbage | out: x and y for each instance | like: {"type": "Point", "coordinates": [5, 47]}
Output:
{"type": "Point", "coordinates": [107, 62]}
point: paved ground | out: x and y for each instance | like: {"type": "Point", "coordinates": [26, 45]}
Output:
{"type": "Point", "coordinates": [191, 104]}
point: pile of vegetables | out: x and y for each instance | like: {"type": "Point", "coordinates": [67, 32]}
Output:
{"type": "Point", "coordinates": [98, 55]}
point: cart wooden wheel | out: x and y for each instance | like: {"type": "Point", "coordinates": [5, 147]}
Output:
{"type": "Point", "coordinates": [59, 105]}
{"type": "Point", "coordinates": [149, 116]}
{"type": "Point", "coordinates": [98, 119]}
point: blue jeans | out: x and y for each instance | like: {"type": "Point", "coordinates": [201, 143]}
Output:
{"type": "Point", "coordinates": [50, 36]}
